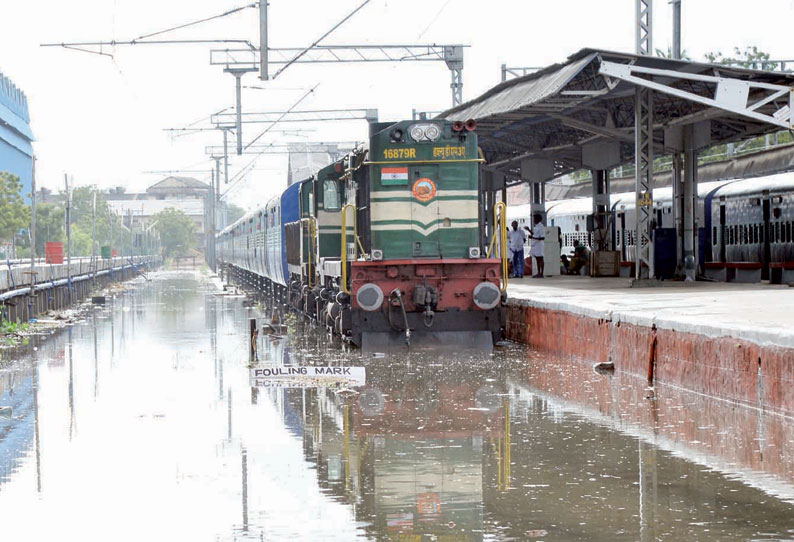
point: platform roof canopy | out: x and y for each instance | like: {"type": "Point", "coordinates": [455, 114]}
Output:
{"type": "Point", "coordinates": [570, 110]}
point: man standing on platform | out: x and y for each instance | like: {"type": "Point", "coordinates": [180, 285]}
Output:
{"type": "Point", "coordinates": [538, 234]}
{"type": "Point", "coordinates": [515, 240]}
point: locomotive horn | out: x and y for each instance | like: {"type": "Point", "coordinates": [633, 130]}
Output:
{"type": "Point", "coordinates": [471, 125]}
{"type": "Point", "coordinates": [457, 126]}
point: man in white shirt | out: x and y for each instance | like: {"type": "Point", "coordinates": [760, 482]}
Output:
{"type": "Point", "coordinates": [538, 234]}
{"type": "Point", "coordinates": [515, 240]}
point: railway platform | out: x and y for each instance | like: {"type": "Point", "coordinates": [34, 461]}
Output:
{"type": "Point", "coordinates": [726, 340]}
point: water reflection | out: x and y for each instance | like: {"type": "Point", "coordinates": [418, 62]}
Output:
{"type": "Point", "coordinates": [17, 419]}
{"type": "Point", "coordinates": [507, 447]}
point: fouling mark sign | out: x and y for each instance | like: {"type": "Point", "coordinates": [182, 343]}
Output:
{"type": "Point", "coordinates": [308, 376]}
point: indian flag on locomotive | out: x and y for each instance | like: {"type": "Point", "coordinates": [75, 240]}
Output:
{"type": "Point", "coordinates": [394, 175]}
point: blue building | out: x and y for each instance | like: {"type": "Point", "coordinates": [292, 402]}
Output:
{"type": "Point", "coordinates": [16, 137]}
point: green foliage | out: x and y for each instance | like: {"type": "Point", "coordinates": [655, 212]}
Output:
{"type": "Point", "coordinates": [49, 225]}
{"type": "Point", "coordinates": [669, 54]}
{"type": "Point", "coordinates": [81, 219]}
{"type": "Point", "coordinates": [7, 327]}
{"type": "Point", "coordinates": [750, 57]}
{"type": "Point", "coordinates": [233, 213]}
{"type": "Point", "coordinates": [11, 333]}
{"type": "Point", "coordinates": [14, 214]}
{"type": "Point", "coordinates": [177, 232]}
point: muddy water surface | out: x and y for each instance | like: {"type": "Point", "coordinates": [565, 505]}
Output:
{"type": "Point", "coordinates": [142, 423]}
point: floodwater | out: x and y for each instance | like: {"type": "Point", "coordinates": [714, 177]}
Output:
{"type": "Point", "coordinates": [143, 422]}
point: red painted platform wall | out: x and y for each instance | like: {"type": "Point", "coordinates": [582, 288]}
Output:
{"type": "Point", "coordinates": [724, 367]}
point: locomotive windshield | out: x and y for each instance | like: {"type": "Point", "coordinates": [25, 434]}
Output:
{"type": "Point", "coordinates": [331, 199]}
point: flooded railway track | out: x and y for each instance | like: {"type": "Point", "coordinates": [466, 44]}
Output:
{"type": "Point", "coordinates": [149, 404]}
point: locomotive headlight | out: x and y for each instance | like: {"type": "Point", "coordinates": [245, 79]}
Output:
{"type": "Point", "coordinates": [377, 254]}
{"type": "Point", "coordinates": [424, 132]}
{"type": "Point", "coordinates": [417, 132]}
{"type": "Point", "coordinates": [432, 132]}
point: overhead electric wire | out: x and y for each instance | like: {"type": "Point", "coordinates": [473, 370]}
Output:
{"type": "Point", "coordinates": [142, 40]}
{"type": "Point", "coordinates": [100, 52]}
{"type": "Point", "coordinates": [239, 176]}
{"type": "Point", "coordinates": [321, 38]}
{"type": "Point", "coordinates": [284, 114]}
{"type": "Point", "coordinates": [434, 19]}
{"type": "Point", "coordinates": [114, 43]}
{"type": "Point", "coordinates": [193, 23]}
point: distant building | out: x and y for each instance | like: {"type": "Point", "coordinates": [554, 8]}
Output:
{"type": "Point", "coordinates": [182, 188]}
{"type": "Point", "coordinates": [182, 193]}
{"type": "Point", "coordinates": [16, 137]}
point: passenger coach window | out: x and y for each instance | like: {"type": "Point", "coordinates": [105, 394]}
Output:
{"type": "Point", "coordinates": [331, 199]}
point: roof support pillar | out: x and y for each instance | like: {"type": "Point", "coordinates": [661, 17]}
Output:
{"type": "Point", "coordinates": [643, 182]}
{"type": "Point", "coordinates": [537, 200]}
{"type": "Point", "coordinates": [599, 156]}
{"type": "Point", "coordinates": [536, 171]}
{"type": "Point", "coordinates": [689, 204]}
{"type": "Point", "coordinates": [685, 141]}
{"type": "Point", "coordinates": [602, 233]}
{"type": "Point", "coordinates": [678, 209]}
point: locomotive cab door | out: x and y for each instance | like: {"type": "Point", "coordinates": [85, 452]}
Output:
{"type": "Point", "coordinates": [425, 242]}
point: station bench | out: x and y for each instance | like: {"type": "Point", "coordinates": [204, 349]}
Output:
{"type": "Point", "coordinates": [781, 272]}
{"type": "Point", "coordinates": [745, 272]}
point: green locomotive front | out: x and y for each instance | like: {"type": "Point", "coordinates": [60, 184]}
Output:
{"type": "Point", "coordinates": [417, 263]}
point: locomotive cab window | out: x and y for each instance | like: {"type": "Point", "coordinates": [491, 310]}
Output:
{"type": "Point", "coordinates": [332, 200]}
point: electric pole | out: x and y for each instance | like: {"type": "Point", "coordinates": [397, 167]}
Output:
{"type": "Point", "coordinates": [32, 240]}
{"type": "Point", "coordinates": [676, 49]}
{"type": "Point", "coordinates": [68, 239]}
{"type": "Point", "coordinates": [110, 223]}
{"type": "Point", "coordinates": [263, 75]}
{"type": "Point", "coordinates": [210, 221]}
{"type": "Point", "coordinates": [93, 238]}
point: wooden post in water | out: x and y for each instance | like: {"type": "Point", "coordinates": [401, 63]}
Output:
{"type": "Point", "coordinates": [253, 336]}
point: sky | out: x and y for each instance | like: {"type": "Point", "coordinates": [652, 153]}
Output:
{"type": "Point", "coordinates": [101, 120]}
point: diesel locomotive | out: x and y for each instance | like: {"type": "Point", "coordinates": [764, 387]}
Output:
{"type": "Point", "coordinates": [385, 245]}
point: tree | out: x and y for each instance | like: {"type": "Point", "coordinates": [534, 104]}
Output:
{"type": "Point", "coordinates": [82, 202]}
{"type": "Point", "coordinates": [49, 225]}
{"type": "Point", "coordinates": [669, 54]}
{"type": "Point", "coordinates": [177, 231]}
{"type": "Point", "coordinates": [14, 214]}
{"type": "Point", "coordinates": [234, 212]}
{"type": "Point", "coordinates": [750, 57]}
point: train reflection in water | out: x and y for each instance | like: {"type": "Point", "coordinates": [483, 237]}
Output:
{"type": "Point", "coordinates": [446, 449]}
{"type": "Point", "coordinates": [409, 450]}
